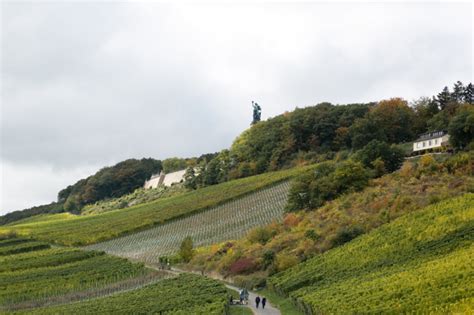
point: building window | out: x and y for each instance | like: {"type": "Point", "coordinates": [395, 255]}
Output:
{"type": "Point", "coordinates": [429, 142]}
{"type": "Point", "coordinates": [436, 141]}
{"type": "Point", "coordinates": [423, 144]}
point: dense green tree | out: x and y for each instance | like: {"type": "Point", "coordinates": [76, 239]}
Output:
{"type": "Point", "coordinates": [190, 181]}
{"type": "Point", "coordinates": [391, 156]}
{"type": "Point", "coordinates": [186, 250]}
{"type": "Point", "coordinates": [174, 164]}
{"type": "Point", "coordinates": [440, 121]}
{"type": "Point", "coordinates": [395, 118]}
{"type": "Point", "coordinates": [461, 128]}
{"type": "Point", "coordinates": [212, 172]}
{"type": "Point", "coordinates": [299, 197]}
{"type": "Point", "coordinates": [365, 130]}
{"type": "Point", "coordinates": [425, 108]}
{"type": "Point", "coordinates": [109, 182]}
{"type": "Point", "coordinates": [350, 176]}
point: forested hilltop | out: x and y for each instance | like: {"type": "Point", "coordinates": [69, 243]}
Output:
{"type": "Point", "coordinates": [305, 135]}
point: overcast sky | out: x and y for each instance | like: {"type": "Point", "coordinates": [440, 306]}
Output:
{"type": "Point", "coordinates": [86, 85]}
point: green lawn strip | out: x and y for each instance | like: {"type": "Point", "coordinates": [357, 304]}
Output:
{"type": "Point", "coordinates": [90, 229]}
{"type": "Point", "coordinates": [239, 310]}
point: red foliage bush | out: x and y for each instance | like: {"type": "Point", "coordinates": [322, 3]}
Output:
{"type": "Point", "coordinates": [243, 266]}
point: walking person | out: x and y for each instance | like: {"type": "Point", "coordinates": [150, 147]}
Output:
{"type": "Point", "coordinates": [257, 300]}
{"type": "Point", "coordinates": [264, 301]}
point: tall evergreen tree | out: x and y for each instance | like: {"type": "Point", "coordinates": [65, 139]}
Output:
{"type": "Point", "coordinates": [458, 92]}
{"type": "Point", "coordinates": [468, 96]}
{"type": "Point", "coordinates": [444, 97]}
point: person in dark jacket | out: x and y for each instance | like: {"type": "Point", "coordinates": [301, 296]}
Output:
{"type": "Point", "coordinates": [264, 301]}
{"type": "Point", "coordinates": [257, 300]}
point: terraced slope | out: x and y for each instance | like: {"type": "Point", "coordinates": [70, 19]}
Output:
{"type": "Point", "coordinates": [228, 221]}
{"type": "Point", "coordinates": [185, 295]}
{"type": "Point", "coordinates": [90, 229]}
{"type": "Point", "coordinates": [420, 263]}
{"type": "Point", "coordinates": [32, 275]}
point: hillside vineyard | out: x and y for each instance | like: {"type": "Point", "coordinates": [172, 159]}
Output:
{"type": "Point", "coordinates": [228, 221]}
{"type": "Point", "coordinates": [421, 262]}
{"type": "Point", "coordinates": [90, 229]}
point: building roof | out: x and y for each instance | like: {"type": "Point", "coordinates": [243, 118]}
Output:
{"type": "Point", "coordinates": [431, 135]}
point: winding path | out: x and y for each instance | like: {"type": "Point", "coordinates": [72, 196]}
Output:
{"type": "Point", "coordinates": [269, 308]}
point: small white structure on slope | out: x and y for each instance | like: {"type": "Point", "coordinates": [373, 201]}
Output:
{"type": "Point", "coordinates": [431, 140]}
{"type": "Point", "coordinates": [164, 179]}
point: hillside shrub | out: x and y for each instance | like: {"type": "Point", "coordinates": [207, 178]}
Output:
{"type": "Point", "coordinates": [243, 265]}
{"type": "Point", "coordinates": [427, 165]}
{"type": "Point", "coordinates": [285, 260]}
{"type": "Point", "coordinates": [260, 235]}
{"type": "Point", "coordinates": [251, 282]}
{"type": "Point", "coordinates": [312, 235]}
{"type": "Point", "coordinates": [268, 258]}
{"type": "Point", "coordinates": [291, 220]}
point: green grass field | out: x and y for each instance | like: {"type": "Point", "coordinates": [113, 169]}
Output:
{"type": "Point", "coordinates": [90, 229]}
{"type": "Point", "coordinates": [186, 294]}
{"type": "Point", "coordinates": [34, 273]}
{"type": "Point", "coordinates": [421, 262]}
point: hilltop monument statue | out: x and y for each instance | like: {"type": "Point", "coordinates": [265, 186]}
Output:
{"type": "Point", "coordinates": [257, 112]}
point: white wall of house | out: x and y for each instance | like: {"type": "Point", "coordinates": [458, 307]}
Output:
{"type": "Point", "coordinates": [430, 143]}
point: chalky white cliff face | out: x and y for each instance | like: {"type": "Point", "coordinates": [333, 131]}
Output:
{"type": "Point", "coordinates": [165, 179]}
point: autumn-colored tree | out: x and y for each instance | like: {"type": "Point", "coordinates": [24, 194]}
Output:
{"type": "Point", "coordinates": [395, 118]}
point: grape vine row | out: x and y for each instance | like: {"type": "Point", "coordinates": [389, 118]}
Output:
{"type": "Point", "coordinates": [227, 221]}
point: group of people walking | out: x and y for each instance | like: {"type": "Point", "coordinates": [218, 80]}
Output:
{"type": "Point", "coordinates": [243, 298]}
{"type": "Point", "coordinates": [262, 300]}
